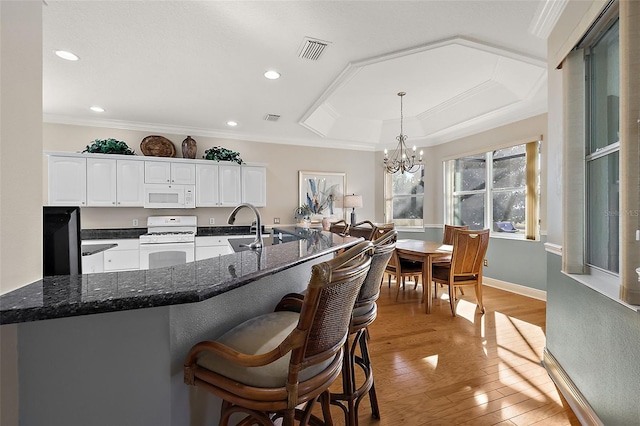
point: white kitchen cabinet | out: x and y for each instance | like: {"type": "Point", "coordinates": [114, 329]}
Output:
{"type": "Point", "coordinates": [230, 189]}
{"type": "Point", "coordinates": [130, 183]}
{"type": "Point", "coordinates": [169, 172]}
{"type": "Point", "coordinates": [124, 257]}
{"type": "Point", "coordinates": [101, 182]}
{"type": "Point", "coordinates": [67, 181]}
{"type": "Point", "coordinates": [208, 247]}
{"type": "Point", "coordinates": [93, 264]}
{"type": "Point", "coordinates": [217, 185]}
{"type": "Point", "coordinates": [115, 183]}
{"type": "Point", "coordinates": [183, 173]}
{"type": "Point", "coordinates": [254, 185]}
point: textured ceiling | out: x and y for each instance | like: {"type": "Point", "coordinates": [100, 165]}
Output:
{"type": "Point", "coordinates": [189, 67]}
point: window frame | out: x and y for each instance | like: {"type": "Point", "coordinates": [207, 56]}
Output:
{"type": "Point", "coordinates": [388, 202]}
{"type": "Point", "coordinates": [489, 191]}
{"type": "Point", "coordinates": [592, 154]}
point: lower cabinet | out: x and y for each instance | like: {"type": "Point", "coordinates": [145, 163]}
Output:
{"type": "Point", "coordinates": [208, 247]}
{"type": "Point", "coordinates": [124, 257]}
{"type": "Point", "coordinates": [93, 264]}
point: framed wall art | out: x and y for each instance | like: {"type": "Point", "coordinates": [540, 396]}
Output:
{"type": "Point", "coordinates": [323, 192]}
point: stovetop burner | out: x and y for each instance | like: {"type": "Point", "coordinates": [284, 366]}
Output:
{"type": "Point", "coordinates": [169, 229]}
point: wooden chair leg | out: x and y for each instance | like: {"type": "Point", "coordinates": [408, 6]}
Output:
{"type": "Point", "coordinates": [478, 288]}
{"type": "Point", "coordinates": [366, 359]}
{"type": "Point", "coordinates": [452, 299]}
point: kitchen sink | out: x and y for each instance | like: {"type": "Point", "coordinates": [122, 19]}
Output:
{"type": "Point", "coordinates": [236, 243]}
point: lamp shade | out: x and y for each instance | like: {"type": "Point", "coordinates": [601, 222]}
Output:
{"type": "Point", "coordinates": [353, 201]}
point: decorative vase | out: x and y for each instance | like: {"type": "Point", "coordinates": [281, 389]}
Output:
{"type": "Point", "coordinates": [325, 223]}
{"type": "Point", "coordinates": [304, 223]}
{"type": "Point", "coordinates": [189, 148]}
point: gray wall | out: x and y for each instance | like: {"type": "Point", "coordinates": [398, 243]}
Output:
{"type": "Point", "coordinates": [597, 342]}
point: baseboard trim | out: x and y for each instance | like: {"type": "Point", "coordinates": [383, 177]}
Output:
{"type": "Point", "coordinates": [578, 403]}
{"type": "Point", "coordinates": [515, 288]}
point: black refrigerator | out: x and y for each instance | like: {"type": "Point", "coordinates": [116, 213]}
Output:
{"type": "Point", "coordinates": [62, 246]}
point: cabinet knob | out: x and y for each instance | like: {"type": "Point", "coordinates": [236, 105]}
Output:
{"type": "Point", "coordinates": [113, 202]}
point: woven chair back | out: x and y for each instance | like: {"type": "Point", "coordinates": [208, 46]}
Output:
{"type": "Point", "coordinates": [329, 301]}
{"type": "Point", "coordinates": [383, 251]}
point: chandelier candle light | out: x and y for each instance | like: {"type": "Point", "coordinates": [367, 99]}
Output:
{"type": "Point", "coordinates": [403, 160]}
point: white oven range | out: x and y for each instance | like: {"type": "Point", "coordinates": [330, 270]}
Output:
{"type": "Point", "coordinates": [170, 240]}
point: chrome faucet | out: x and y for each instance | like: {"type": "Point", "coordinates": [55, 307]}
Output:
{"type": "Point", "coordinates": [257, 243]}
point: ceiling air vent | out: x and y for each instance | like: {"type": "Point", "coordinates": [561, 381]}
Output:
{"type": "Point", "coordinates": [271, 117]}
{"type": "Point", "coordinates": [312, 48]}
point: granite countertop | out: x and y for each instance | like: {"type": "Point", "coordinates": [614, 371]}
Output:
{"type": "Point", "coordinates": [89, 249]}
{"type": "Point", "coordinates": [134, 233]}
{"type": "Point", "coordinates": [73, 295]}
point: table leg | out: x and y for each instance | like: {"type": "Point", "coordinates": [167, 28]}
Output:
{"type": "Point", "coordinates": [426, 284]}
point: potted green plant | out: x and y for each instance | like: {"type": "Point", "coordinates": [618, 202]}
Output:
{"type": "Point", "coordinates": [218, 153]}
{"type": "Point", "coordinates": [303, 215]}
{"type": "Point", "coordinates": [109, 146]}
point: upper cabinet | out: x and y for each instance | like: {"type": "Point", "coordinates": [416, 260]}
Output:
{"type": "Point", "coordinates": [218, 185]}
{"type": "Point", "coordinates": [103, 180]}
{"type": "Point", "coordinates": [130, 183]}
{"type": "Point", "coordinates": [167, 172]}
{"type": "Point", "coordinates": [67, 181]}
{"type": "Point", "coordinates": [254, 185]}
{"type": "Point", "coordinates": [114, 183]}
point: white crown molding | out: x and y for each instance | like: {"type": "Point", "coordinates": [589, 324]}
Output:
{"type": "Point", "coordinates": [178, 130]}
{"type": "Point", "coordinates": [546, 17]}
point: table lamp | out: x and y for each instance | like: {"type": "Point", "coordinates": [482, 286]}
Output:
{"type": "Point", "coordinates": [353, 201]}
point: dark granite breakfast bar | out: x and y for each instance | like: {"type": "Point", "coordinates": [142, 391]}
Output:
{"type": "Point", "coordinates": [108, 348]}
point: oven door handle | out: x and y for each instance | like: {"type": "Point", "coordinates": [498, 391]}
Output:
{"type": "Point", "coordinates": [165, 246]}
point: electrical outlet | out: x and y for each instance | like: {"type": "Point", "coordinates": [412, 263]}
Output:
{"type": "Point", "coordinates": [135, 222]}
{"type": "Point", "coordinates": [276, 220]}
{"type": "Point", "coordinates": [486, 262]}
{"type": "Point", "coordinates": [212, 221]}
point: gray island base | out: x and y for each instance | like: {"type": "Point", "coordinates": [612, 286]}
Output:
{"type": "Point", "coordinates": [124, 367]}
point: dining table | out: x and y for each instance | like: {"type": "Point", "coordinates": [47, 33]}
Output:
{"type": "Point", "coordinates": [424, 252]}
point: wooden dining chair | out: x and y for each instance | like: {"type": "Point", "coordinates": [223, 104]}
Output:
{"type": "Point", "coordinates": [465, 269]}
{"type": "Point", "coordinates": [267, 366]}
{"type": "Point", "coordinates": [364, 229]}
{"type": "Point", "coordinates": [447, 239]}
{"type": "Point", "coordinates": [339, 227]}
{"type": "Point", "coordinates": [403, 268]}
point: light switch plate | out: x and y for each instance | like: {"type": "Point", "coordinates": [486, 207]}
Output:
{"type": "Point", "coordinates": [276, 220]}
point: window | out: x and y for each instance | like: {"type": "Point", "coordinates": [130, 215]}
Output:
{"type": "Point", "coordinates": [404, 198]}
{"type": "Point", "coordinates": [602, 151]}
{"type": "Point", "coordinates": [495, 190]}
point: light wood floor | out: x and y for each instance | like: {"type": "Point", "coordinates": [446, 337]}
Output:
{"type": "Point", "coordinates": [469, 370]}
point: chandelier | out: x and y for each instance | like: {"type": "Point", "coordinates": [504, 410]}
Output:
{"type": "Point", "coordinates": [402, 160]}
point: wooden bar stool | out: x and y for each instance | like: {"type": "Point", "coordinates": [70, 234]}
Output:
{"type": "Point", "coordinates": [267, 366]}
{"type": "Point", "coordinates": [364, 313]}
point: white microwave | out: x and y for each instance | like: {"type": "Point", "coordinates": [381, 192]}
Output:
{"type": "Point", "coordinates": [166, 196]}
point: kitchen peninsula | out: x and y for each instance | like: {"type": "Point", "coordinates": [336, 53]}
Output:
{"type": "Point", "coordinates": [108, 348]}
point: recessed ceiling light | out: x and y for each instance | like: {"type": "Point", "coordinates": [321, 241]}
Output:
{"type": "Point", "coordinates": [272, 75]}
{"type": "Point", "coordinates": [66, 55]}
{"type": "Point", "coordinates": [96, 108]}
{"type": "Point", "coordinates": [232, 123]}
